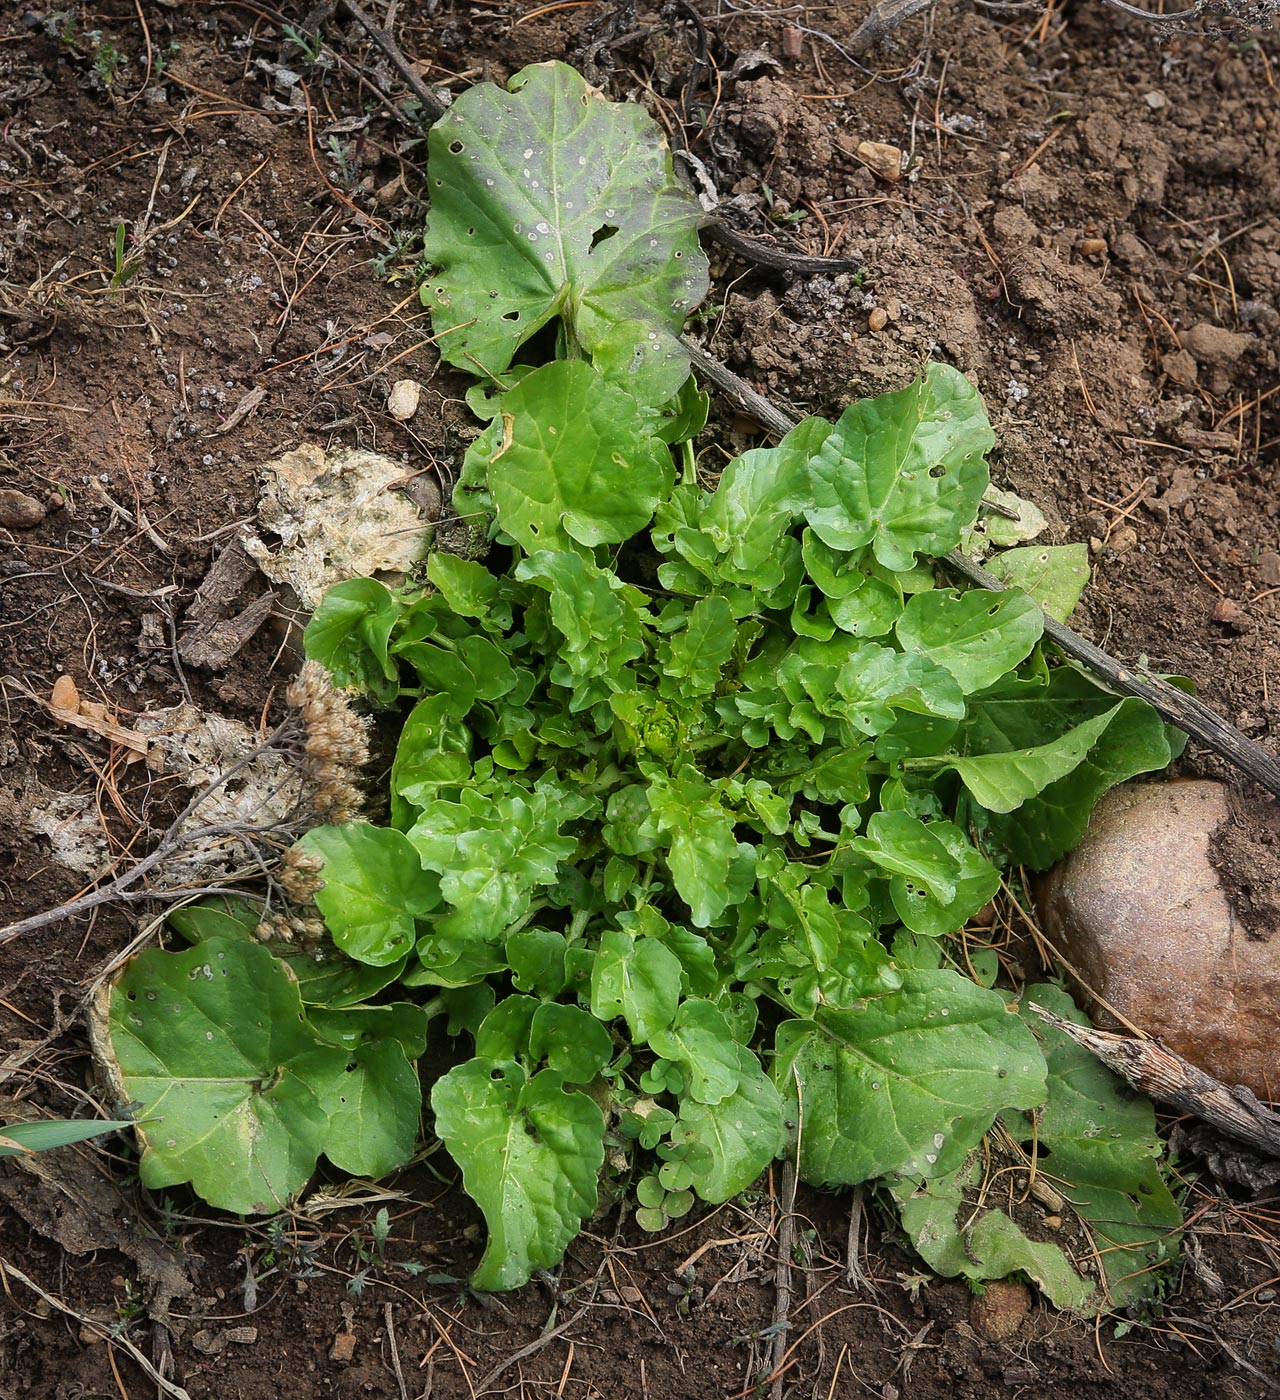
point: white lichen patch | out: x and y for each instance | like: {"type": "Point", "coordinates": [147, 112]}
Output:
{"type": "Point", "coordinates": [71, 825]}
{"type": "Point", "coordinates": [199, 748]}
{"type": "Point", "coordinates": [337, 516]}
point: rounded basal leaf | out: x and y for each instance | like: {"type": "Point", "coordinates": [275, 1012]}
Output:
{"type": "Point", "coordinates": [373, 1103]}
{"type": "Point", "coordinates": [638, 978]}
{"type": "Point", "coordinates": [529, 1150]}
{"type": "Point", "coordinates": [904, 472]}
{"type": "Point", "coordinates": [576, 461]}
{"type": "Point", "coordinates": [374, 889]}
{"type": "Point", "coordinates": [549, 201]}
{"type": "Point", "coordinates": [211, 1047]}
{"type": "Point", "coordinates": [908, 1083]}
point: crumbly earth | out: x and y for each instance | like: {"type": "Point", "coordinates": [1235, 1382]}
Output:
{"type": "Point", "coordinates": [193, 209]}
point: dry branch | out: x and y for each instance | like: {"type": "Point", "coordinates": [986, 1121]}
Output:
{"type": "Point", "coordinates": [1167, 1078]}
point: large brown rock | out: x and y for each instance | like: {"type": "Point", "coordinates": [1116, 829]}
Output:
{"type": "Point", "coordinates": [1141, 911]}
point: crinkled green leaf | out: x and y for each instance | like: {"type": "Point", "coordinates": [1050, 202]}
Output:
{"type": "Point", "coordinates": [212, 1047]}
{"type": "Point", "coordinates": [575, 462]}
{"type": "Point", "coordinates": [756, 501]}
{"type": "Point", "coordinates": [491, 853]}
{"type": "Point", "coordinates": [598, 618]}
{"type": "Point", "coordinates": [530, 1150]}
{"type": "Point", "coordinates": [348, 635]}
{"type": "Point", "coordinates": [433, 757]}
{"type": "Point", "coordinates": [877, 683]}
{"type": "Point", "coordinates": [700, 1040]}
{"type": "Point", "coordinates": [907, 1084]}
{"type": "Point", "coordinates": [1054, 575]}
{"type": "Point", "coordinates": [637, 978]}
{"type": "Point", "coordinates": [702, 846]}
{"type": "Point", "coordinates": [695, 656]}
{"type": "Point", "coordinates": [977, 636]}
{"type": "Point", "coordinates": [547, 201]}
{"type": "Point", "coordinates": [374, 891]}
{"type": "Point", "coordinates": [741, 1134]}
{"type": "Point", "coordinates": [904, 472]}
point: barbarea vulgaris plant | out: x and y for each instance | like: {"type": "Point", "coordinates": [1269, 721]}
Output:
{"type": "Point", "coordinates": [698, 782]}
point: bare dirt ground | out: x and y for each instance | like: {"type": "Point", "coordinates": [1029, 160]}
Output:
{"type": "Point", "coordinates": [192, 208]}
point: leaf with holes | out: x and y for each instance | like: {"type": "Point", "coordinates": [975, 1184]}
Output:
{"type": "Point", "coordinates": [977, 636]}
{"type": "Point", "coordinates": [904, 472]}
{"type": "Point", "coordinates": [548, 201]}
{"type": "Point", "coordinates": [1054, 575]}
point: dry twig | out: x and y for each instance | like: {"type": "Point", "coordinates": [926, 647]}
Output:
{"type": "Point", "coordinates": [1168, 1078]}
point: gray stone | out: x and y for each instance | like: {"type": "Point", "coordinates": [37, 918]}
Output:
{"type": "Point", "coordinates": [20, 511]}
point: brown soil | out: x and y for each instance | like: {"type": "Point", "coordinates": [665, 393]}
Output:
{"type": "Point", "coordinates": [1089, 227]}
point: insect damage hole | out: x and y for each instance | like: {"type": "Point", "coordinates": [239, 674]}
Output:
{"type": "Point", "coordinates": [603, 232]}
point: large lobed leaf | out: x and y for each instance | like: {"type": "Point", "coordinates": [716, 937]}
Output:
{"type": "Point", "coordinates": [548, 201]}
{"type": "Point", "coordinates": [907, 1083]}
{"type": "Point", "coordinates": [212, 1046]}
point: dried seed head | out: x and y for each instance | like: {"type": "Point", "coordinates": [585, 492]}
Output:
{"type": "Point", "coordinates": [337, 744]}
{"type": "Point", "coordinates": [300, 875]}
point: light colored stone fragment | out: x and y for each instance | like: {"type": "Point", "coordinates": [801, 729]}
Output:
{"type": "Point", "coordinates": [1140, 911]}
{"type": "Point", "coordinates": [402, 401]}
{"type": "Point", "coordinates": [882, 160]}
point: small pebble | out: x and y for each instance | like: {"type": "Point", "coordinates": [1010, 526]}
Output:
{"type": "Point", "coordinates": [343, 1348]}
{"type": "Point", "coordinates": [1231, 614]}
{"type": "Point", "coordinates": [878, 319]}
{"type": "Point", "coordinates": [1156, 101]}
{"type": "Point", "coordinates": [999, 1312]}
{"type": "Point", "coordinates": [402, 401]}
{"type": "Point", "coordinates": [882, 160]}
{"type": "Point", "coordinates": [20, 511]}
{"type": "Point", "coordinates": [1092, 247]}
